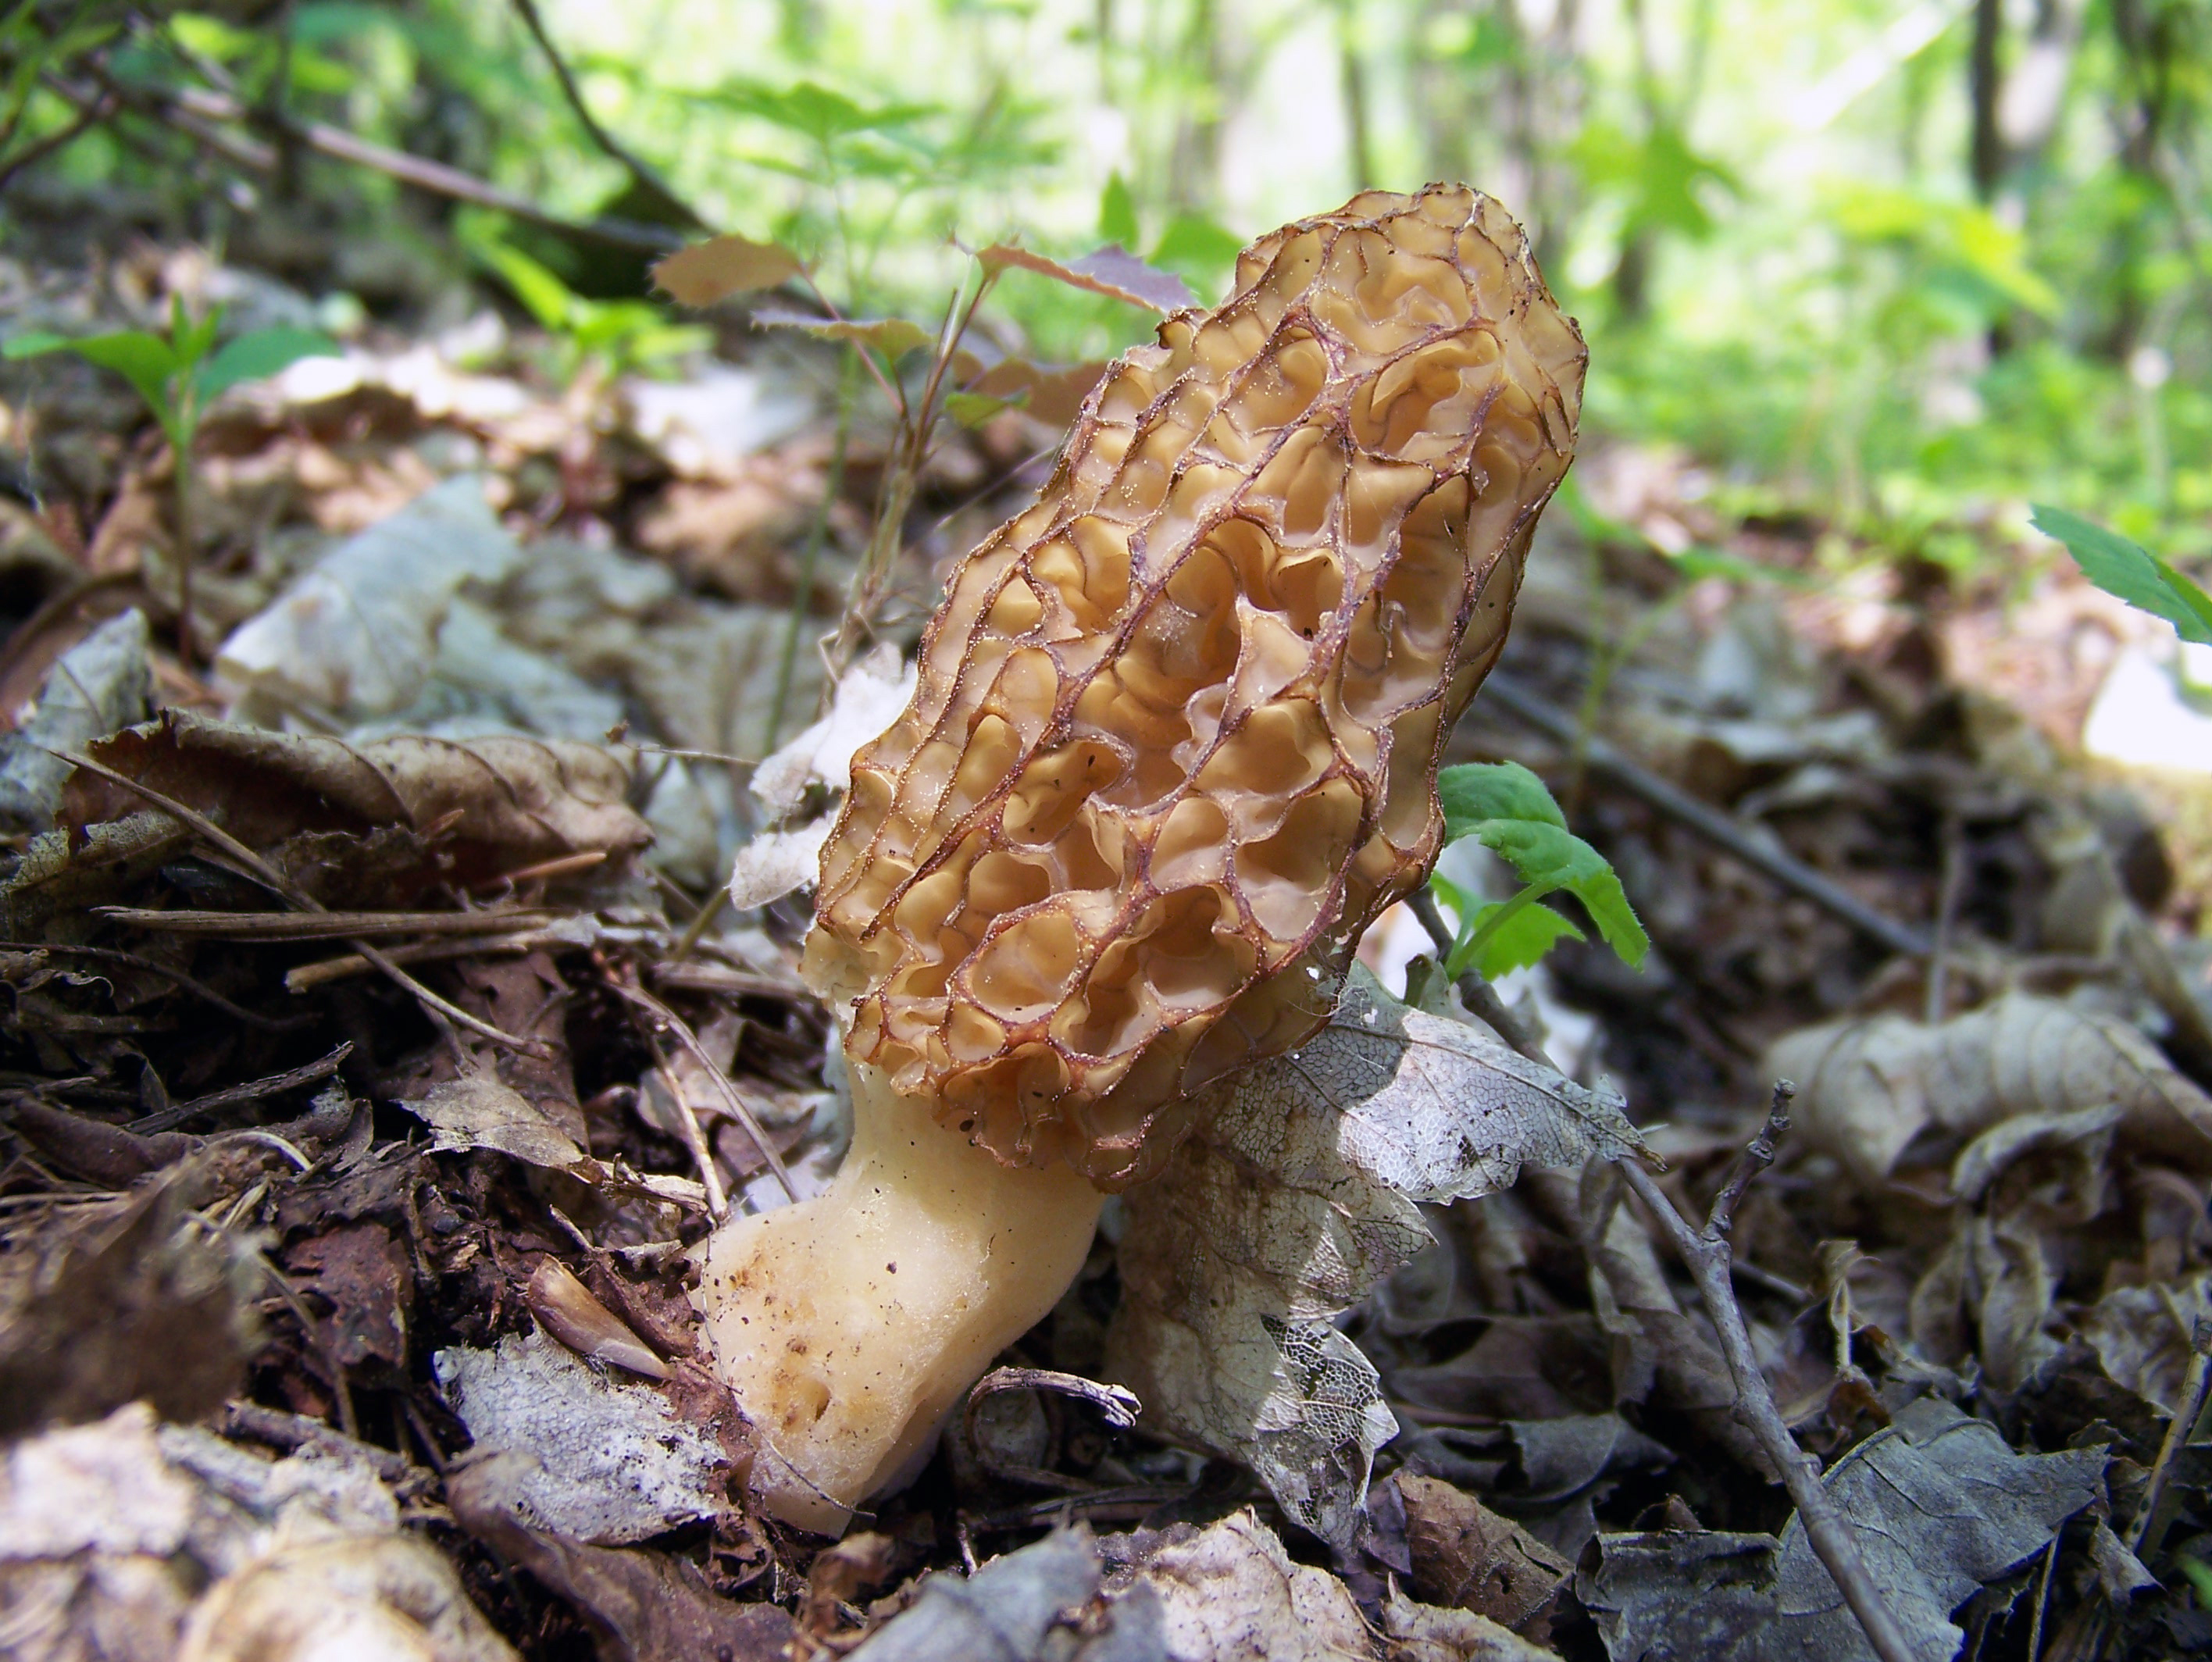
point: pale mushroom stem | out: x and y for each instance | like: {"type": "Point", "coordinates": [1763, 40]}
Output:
{"type": "Point", "coordinates": [848, 1325]}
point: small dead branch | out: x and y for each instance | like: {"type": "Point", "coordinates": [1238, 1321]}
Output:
{"type": "Point", "coordinates": [1480, 997]}
{"type": "Point", "coordinates": [1719, 828]}
{"type": "Point", "coordinates": [1705, 1252]}
{"type": "Point", "coordinates": [322, 926]}
{"type": "Point", "coordinates": [253, 1091]}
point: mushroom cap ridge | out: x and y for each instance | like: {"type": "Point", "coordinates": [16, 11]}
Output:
{"type": "Point", "coordinates": [1175, 734]}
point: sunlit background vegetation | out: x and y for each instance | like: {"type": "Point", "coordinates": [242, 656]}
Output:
{"type": "Point", "coordinates": [1898, 264]}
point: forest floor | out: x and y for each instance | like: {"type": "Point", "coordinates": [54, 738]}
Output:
{"type": "Point", "coordinates": [374, 1056]}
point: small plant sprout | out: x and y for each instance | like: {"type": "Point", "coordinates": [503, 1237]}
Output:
{"type": "Point", "coordinates": [178, 378]}
{"type": "Point", "coordinates": [1507, 809]}
{"type": "Point", "coordinates": [1173, 746]}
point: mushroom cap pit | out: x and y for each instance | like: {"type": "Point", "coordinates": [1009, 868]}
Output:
{"type": "Point", "coordinates": [1174, 738]}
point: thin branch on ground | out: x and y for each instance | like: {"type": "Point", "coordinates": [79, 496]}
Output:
{"type": "Point", "coordinates": [648, 180]}
{"type": "Point", "coordinates": [1721, 829]}
{"type": "Point", "coordinates": [1705, 1254]}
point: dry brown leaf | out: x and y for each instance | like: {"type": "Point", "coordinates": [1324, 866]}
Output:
{"type": "Point", "coordinates": [495, 804]}
{"type": "Point", "coordinates": [393, 1596]}
{"type": "Point", "coordinates": [2141, 1336]}
{"type": "Point", "coordinates": [1867, 1087]}
{"type": "Point", "coordinates": [1295, 1197]}
{"type": "Point", "coordinates": [722, 266]}
{"type": "Point", "coordinates": [1466, 1557]}
{"type": "Point", "coordinates": [1422, 1633]}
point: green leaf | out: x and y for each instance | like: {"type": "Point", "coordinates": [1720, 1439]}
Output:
{"type": "Point", "coordinates": [2131, 570]}
{"type": "Point", "coordinates": [543, 294]}
{"type": "Point", "coordinates": [1550, 857]}
{"type": "Point", "coordinates": [1117, 212]}
{"type": "Point", "coordinates": [1521, 940]}
{"type": "Point", "coordinates": [259, 353]}
{"type": "Point", "coordinates": [1476, 791]}
{"type": "Point", "coordinates": [1196, 248]}
{"type": "Point", "coordinates": [145, 360]}
{"type": "Point", "coordinates": [972, 410]}
{"type": "Point", "coordinates": [36, 344]}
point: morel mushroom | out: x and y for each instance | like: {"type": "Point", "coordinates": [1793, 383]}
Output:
{"type": "Point", "coordinates": [1173, 747]}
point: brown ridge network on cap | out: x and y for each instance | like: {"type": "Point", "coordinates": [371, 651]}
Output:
{"type": "Point", "coordinates": [1177, 728]}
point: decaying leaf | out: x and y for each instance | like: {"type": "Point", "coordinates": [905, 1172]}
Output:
{"type": "Point", "coordinates": [494, 804]}
{"type": "Point", "coordinates": [1866, 1088]}
{"type": "Point", "coordinates": [144, 1303]}
{"type": "Point", "coordinates": [775, 863]}
{"type": "Point", "coordinates": [1941, 1505]}
{"type": "Point", "coordinates": [1296, 1198]}
{"type": "Point", "coordinates": [1003, 1612]}
{"type": "Point", "coordinates": [722, 266]}
{"type": "Point", "coordinates": [393, 1596]}
{"type": "Point", "coordinates": [568, 1450]}
{"type": "Point", "coordinates": [480, 1111]}
{"type": "Point", "coordinates": [1422, 1633]}
{"type": "Point", "coordinates": [1466, 1557]}
{"type": "Point", "coordinates": [2141, 1336]}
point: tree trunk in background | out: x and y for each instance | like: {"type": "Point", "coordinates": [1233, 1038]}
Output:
{"type": "Point", "coordinates": [1193, 181]}
{"type": "Point", "coordinates": [1359, 144]}
{"type": "Point", "coordinates": [1985, 88]}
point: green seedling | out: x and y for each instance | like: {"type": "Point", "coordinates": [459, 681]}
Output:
{"type": "Point", "coordinates": [1507, 809]}
{"type": "Point", "coordinates": [2131, 572]}
{"type": "Point", "coordinates": [178, 375]}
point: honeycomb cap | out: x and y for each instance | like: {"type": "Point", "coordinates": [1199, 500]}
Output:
{"type": "Point", "coordinates": [1174, 738]}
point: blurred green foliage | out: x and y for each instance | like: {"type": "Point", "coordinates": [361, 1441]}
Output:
{"type": "Point", "coordinates": [1814, 247]}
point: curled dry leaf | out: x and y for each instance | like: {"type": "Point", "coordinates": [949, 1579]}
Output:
{"type": "Point", "coordinates": [1231, 1594]}
{"type": "Point", "coordinates": [1466, 1557]}
{"type": "Point", "coordinates": [1866, 1088]}
{"type": "Point", "coordinates": [2141, 1336]}
{"type": "Point", "coordinates": [393, 1596]}
{"type": "Point", "coordinates": [1941, 1505]}
{"type": "Point", "coordinates": [494, 804]}
{"type": "Point", "coordinates": [1294, 1199]}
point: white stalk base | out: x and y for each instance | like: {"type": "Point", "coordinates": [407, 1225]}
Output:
{"type": "Point", "coordinates": [847, 1326]}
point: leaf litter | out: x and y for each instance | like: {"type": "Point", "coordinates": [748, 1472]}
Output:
{"type": "Point", "coordinates": [398, 1347]}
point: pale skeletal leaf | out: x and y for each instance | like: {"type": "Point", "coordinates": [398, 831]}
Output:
{"type": "Point", "coordinates": [1294, 1198]}
{"type": "Point", "coordinates": [1866, 1088]}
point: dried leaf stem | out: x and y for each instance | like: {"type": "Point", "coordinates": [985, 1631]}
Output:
{"type": "Point", "coordinates": [1705, 1254]}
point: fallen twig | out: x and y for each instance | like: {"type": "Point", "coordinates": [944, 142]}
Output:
{"type": "Point", "coordinates": [1705, 1254]}
{"type": "Point", "coordinates": [1480, 997]}
{"type": "Point", "coordinates": [1715, 826]}
{"type": "Point", "coordinates": [252, 1091]}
